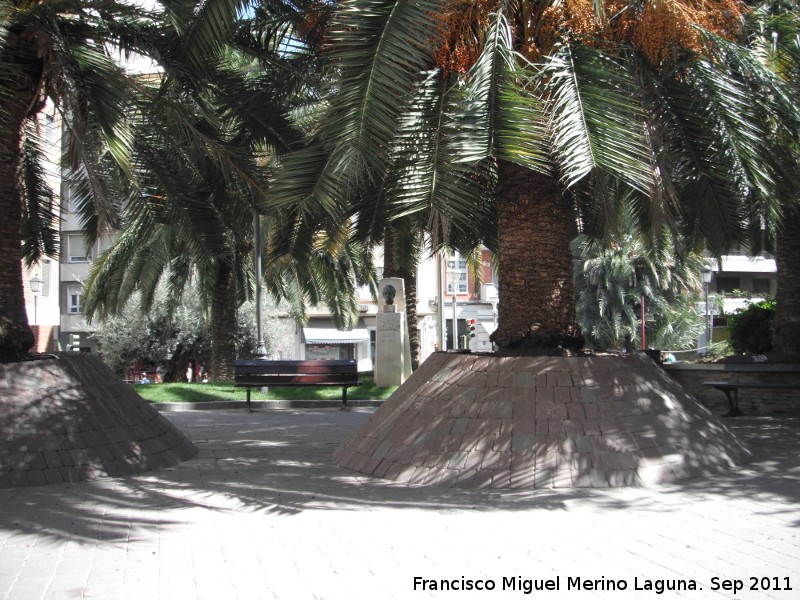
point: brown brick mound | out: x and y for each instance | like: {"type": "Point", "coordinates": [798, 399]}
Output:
{"type": "Point", "coordinates": [477, 421]}
{"type": "Point", "coordinates": [69, 418]}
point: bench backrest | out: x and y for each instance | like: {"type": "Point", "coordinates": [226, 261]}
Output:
{"type": "Point", "coordinates": [296, 372]}
{"type": "Point", "coordinates": [762, 364]}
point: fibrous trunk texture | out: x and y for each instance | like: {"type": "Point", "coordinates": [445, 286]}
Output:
{"type": "Point", "coordinates": [224, 326]}
{"type": "Point", "coordinates": [536, 310]}
{"type": "Point", "coordinates": [16, 337]}
{"type": "Point", "coordinates": [786, 328]}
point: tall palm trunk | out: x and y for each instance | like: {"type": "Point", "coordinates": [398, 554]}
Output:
{"type": "Point", "coordinates": [223, 324]}
{"type": "Point", "coordinates": [16, 337]}
{"type": "Point", "coordinates": [786, 329]}
{"type": "Point", "coordinates": [536, 312]}
{"type": "Point", "coordinates": [410, 284]}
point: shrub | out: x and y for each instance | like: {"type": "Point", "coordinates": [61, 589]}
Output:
{"type": "Point", "coordinates": [750, 328]}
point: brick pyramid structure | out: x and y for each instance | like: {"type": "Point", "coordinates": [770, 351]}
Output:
{"type": "Point", "coordinates": [482, 421]}
{"type": "Point", "coordinates": [67, 418]}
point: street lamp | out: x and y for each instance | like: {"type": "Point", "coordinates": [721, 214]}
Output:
{"type": "Point", "coordinates": [452, 273]}
{"type": "Point", "coordinates": [261, 350]}
{"type": "Point", "coordinates": [706, 273]}
{"type": "Point", "coordinates": [36, 287]}
{"type": "Point", "coordinates": [440, 303]}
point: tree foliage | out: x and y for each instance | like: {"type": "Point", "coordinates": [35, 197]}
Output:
{"type": "Point", "coordinates": [750, 328]}
{"type": "Point", "coordinates": [172, 336]}
{"type": "Point", "coordinates": [615, 276]}
{"type": "Point", "coordinates": [661, 106]}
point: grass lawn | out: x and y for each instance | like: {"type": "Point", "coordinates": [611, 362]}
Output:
{"type": "Point", "coordinates": [225, 390]}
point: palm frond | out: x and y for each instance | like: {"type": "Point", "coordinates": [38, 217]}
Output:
{"type": "Point", "coordinates": [597, 120]}
{"type": "Point", "coordinates": [499, 114]}
{"type": "Point", "coordinates": [427, 176]}
{"type": "Point", "coordinates": [211, 25]}
{"type": "Point", "coordinates": [381, 46]}
{"type": "Point", "coordinates": [40, 231]}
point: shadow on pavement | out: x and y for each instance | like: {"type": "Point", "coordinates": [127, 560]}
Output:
{"type": "Point", "coordinates": [277, 463]}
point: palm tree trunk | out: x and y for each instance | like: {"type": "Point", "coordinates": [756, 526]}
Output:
{"type": "Point", "coordinates": [786, 328]}
{"type": "Point", "coordinates": [410, 285]}
{"type": "Point", "coordinates": [16, 337]}
{"type": "Point", "coordinates": [223, 324]}
{"type": "Point", "coordinates": [536, 311]}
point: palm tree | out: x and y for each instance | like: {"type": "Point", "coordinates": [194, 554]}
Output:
{"type": "Point", "coordinates": [55, 52]}
{"type": "Point", "coordinates": [524, 115]}
{"type": "Point", "coordinates": [63, 53]}
{"type": "Point", "coordinates": [773, 27]}
{"type": "Point", "coordinates": [202, 156]}
{"type": "Point", "coordinates": [613, 276]}
{"type": "Point", "coordinates": [188, 209]}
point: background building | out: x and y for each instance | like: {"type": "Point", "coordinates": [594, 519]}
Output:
{"type": "Point", "coordinates": [319, 338]}
{"type": "Point", "coordinates": [736, 281]}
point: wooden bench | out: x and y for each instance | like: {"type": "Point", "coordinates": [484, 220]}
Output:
{"type": "Point", "coordinates": [296, 373]}
{"type": "Point", "coordinates": [760, 365]}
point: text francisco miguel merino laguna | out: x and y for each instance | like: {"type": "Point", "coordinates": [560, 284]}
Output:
{"type": "Point", "coordinates": [528, 586]}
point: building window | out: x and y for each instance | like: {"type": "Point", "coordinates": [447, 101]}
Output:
{"type": "Point", "coordinates": [76, 249]}
{"type": "Point", "coordinates": [49, 133]}
{"type": "Point", "coordinates": [46, 277]}
{"type": "Point", "coordinates": [461, 331]}
{"type": "Point", "coordinates": [727, 285]}
{"type": "Point", "coordinates": [761, 287]}
{"type": "Point", "coordinates": [330, 351]}
{"type": "Point", "coordinates": [458, 263]}
{"type": "Point", "coordinates": [74, 299]}
{"type": "Point", "coordinates": [69, 201]}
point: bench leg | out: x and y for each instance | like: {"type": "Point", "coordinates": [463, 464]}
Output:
{"type": "Point", "coordinates": [733, 403]}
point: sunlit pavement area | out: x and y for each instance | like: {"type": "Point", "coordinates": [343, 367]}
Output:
{"type": "Point", "coordinates": [262, 513]}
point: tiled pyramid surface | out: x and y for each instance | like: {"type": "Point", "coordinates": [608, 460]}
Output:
{"type": "Point", "coordinates": [478, 421]}
{"type": "Point", "coordinates": [69, 418]}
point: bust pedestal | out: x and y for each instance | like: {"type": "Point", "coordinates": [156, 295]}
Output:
{"type": "Point", "coordinates": [390, 367]}
{"type": "Point", "coordinates": [392, 348]}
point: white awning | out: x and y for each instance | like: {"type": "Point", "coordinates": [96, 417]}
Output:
{"type": "Point", "coordinates": [315, 335]}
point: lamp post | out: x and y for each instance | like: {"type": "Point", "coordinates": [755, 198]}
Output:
{"type": "Point", "coordinates": [706, 274]}
{"type": "Point", "coordinates": [452, 273]}
{"type": "Point", "coordinates": [261, 350]}
{"type": "Point", "coordinates": [36, 287]}
{"type": "Point", "coordinates": [440, 302]}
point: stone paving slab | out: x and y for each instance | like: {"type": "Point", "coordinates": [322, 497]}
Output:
{"type": "Point", "coordinates": [261, 512]}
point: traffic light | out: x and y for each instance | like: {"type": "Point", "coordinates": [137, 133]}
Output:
{"type": "Point", "coordinates": [470, 331]}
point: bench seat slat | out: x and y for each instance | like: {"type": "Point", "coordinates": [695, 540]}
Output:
{"type": "Point", "coordinates": [736, 367]}
{"type": "Point", "coordinates": [751, 385]}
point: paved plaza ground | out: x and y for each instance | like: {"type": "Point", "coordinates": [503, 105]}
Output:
{"type": "Point", "coordinates": [262, 513]}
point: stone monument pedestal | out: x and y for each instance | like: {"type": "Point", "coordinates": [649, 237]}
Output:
{"type": "Point", "coordinates": [389, 355]}
{"type": "Point", "coordinates": [392, 348]}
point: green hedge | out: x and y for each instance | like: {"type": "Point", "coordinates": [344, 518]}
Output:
{"type": "Point", "coordinates": [750, 328]}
